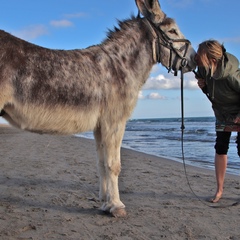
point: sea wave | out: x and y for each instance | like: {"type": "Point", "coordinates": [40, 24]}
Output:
{"type": "Point", "coordinates": [164, 137]}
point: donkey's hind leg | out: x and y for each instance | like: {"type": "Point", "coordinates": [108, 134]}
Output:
{"type": "Point", "coordinates": [100, 164]}
{"type": "Point", "coordinates": [111, 144]}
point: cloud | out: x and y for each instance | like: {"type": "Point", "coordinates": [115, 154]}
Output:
{"type": "Point", "coordinates": [75, 15]}
{"type": "Point", "coordinates": [61, 23]}
{"type": "Point", "coordinates": [159, 82]}
{"type": "Point", "coordinates": [140, 95]}
{"type": "Point", "coordinates": [155, 69]}
{"type": "Point", "coordinates": [35, 31]}
{"type": "Point", "coordinates": [31, 32]}
{"type": "Point", "coordinates": [155, 96]}
{"type": "Point", "coordinates": [231, 40]}
{"type": "Point", "coordinates": [152, 95]}
{"type": "Point", "coordinates": [65, 22]}
{"type": "Point", "coordinates": [171, 82]}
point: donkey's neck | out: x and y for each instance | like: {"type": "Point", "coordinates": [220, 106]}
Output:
{"type": "Point", "coordinates": [130, 48]}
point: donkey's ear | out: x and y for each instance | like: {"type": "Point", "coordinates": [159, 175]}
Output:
{"type": "Point", "coordinates": [151, 9]}
{"type": "Point", "coordinates": [142, 8]}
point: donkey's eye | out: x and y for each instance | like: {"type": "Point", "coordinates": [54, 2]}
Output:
{"type": "Point", "coordinates": [173, 31]}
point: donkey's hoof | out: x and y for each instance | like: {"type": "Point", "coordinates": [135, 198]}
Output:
{"type": "Point", "coordinates": [119, 213]}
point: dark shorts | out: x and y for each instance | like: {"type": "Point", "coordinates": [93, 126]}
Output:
{"type": "Point", "coordinates": [222, 142]}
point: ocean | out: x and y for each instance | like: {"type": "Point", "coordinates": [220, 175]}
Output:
{"type": "Point", "coordinates": [163, 137]}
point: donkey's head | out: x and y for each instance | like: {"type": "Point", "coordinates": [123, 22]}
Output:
{"type": "Point", "coordinates": [170, 47]}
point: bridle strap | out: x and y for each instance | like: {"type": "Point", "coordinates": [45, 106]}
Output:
{"type": "Point", "coordinates": [155, 43]}
{"type": "Point", "coordinates": [160, 38]}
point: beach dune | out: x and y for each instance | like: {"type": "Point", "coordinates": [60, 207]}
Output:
{"type": "Point", "coordinates": [49, 190]}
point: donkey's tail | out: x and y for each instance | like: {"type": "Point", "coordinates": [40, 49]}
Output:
{"type": "Point", "coordinates": [2, 112]}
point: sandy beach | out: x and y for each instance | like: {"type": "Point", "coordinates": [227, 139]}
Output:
{"type": "Point", "coordinates": [49, 190]}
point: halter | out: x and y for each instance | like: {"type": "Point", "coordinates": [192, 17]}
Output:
{"type": "Point", "coordinates": [160, 38]}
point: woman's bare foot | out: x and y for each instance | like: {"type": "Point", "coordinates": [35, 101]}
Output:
{"type": "Point", "coordinates": [216, 198]}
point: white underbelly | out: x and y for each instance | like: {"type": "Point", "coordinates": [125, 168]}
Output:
{"type": "Point", "coordinates": [57, 120]}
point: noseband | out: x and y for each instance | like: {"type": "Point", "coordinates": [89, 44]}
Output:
{"type": "Point", "coordinates": [160, 38]}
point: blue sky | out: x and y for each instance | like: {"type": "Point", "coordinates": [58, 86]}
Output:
{"type": "Point", "coordinates": [71, 24]}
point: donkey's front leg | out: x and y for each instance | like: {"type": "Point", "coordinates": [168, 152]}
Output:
{"type": "Point", "coordinates": [111, 143]}
{"type": "Point", "coordinates": [113, 203]}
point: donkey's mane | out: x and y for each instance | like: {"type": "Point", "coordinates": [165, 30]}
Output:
{"type": "Point", "coordinates": [122, 25]}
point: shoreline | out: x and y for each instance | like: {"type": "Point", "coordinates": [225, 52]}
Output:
{"type": "Point", "coordinates": [126, 148]}
{"type": "Point", "coordinates": [198, 164]}
{"type": "Point", "coordinates": [230, 171]}
{"type": "Point", "coordinates": [49, 190]}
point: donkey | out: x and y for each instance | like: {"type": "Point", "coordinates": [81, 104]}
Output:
{"type": "Point", "coordinates": [72, 91]}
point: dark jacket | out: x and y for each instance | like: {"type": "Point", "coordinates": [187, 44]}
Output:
{"type": "Point", "coordinates": [223, 89]}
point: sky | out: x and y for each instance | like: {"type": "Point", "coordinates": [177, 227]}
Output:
{"type": "Point", "coordinates": [77, 24]}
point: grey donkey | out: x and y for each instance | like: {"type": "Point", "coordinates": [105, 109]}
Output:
{"type": "Point", "coordinates": [93, 89]}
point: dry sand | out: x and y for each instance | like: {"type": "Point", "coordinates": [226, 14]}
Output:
{"type": "Point", "coordinates": [49, 190]}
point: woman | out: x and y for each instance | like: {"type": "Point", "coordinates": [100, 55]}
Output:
{"type": "Point", "coordinates": [219, 78]}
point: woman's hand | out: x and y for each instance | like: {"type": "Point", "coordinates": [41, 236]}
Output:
{"type": "Point", "coordinates": [237, 120]}
{"type": "Point", "coordinates": [201, 83]}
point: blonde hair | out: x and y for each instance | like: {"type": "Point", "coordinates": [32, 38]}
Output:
{"type": "Point", "coordinates": [207, 51]}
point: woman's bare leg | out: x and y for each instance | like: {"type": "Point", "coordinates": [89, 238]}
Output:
{"type": "Point", "coordinates": [220, 170]}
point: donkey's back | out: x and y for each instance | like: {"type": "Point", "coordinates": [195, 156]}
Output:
{"type": "Point", "coordinates": [58, 91]}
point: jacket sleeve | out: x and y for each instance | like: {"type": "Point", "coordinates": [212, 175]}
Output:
{"type": "Point", "coordinates": [235, 85]}
{"type": "Point", "coordinates": [235, 81]}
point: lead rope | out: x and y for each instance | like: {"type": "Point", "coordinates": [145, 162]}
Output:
{"type": "Point", "coordinates": [182, 139]}
{"type": "Point", "coordinates": [183, 157]}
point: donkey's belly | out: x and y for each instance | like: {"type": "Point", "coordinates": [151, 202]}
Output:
{"type": "Point", "coordinates": [57, 120]}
